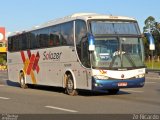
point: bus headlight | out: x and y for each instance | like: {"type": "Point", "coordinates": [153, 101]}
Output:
{"type": "Point", "coordinates": [101, 77]}
{"type": "Point", "coordinates": [139, 76]}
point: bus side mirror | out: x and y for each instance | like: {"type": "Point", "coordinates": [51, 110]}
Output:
{"type": "Point", "coordinates": [151, 41]}
{"type": "Point", "coordinates": [91, 42]}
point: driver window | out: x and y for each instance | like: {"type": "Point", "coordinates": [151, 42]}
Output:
{"type": "Point", "coordinates": [82, 42]}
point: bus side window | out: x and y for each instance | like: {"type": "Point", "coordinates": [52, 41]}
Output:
{"type": "Point", "coordinates": [54, 40]}
{"type": "Point", "coordinates": [43, 37]}
{"type": "Point", "coordinates": [81, 42]}
{"type": "Point", "coordinates": [54, 37]}
{"type": "Point", "coordinates": [15, 43]}
{"type": "Point", "coordinates": [33, 38]}
{"type": "Point", "coordinates": [23, 42]}
{"type": "Point", "coordinates": [10, 44]}
{"type": "Point", "coordinates": [67, 33]}
{"type": "Point", "coordinates": [84, 52]}
{"type": "Point", "coordinates": [51, 40]}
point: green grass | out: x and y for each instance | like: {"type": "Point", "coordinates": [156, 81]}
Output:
{"type": "Point", "coordinates": [156, 65]}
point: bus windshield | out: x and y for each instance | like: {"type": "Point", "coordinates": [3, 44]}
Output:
{"type": "Point", "coordinates": [117, 27]}
{"type": "Point", "coordinates": [118, 52]}
{"type": "Point", "coordinates": [117, 44]}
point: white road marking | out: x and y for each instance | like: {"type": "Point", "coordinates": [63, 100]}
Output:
{"type": "Point", "coordinates": [63, 109]}
{"type": "Point", "coordinates": [4, 98]}
{"type": "Point", "coordinates": [133, 91]}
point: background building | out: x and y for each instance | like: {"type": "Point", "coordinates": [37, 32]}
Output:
{"type": "Point", "coordinates": [3, 49]}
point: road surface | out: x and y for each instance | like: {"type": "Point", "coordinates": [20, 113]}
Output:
{"type": "Point", "coordinates": [50, 100]}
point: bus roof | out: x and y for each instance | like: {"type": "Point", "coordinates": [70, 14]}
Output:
{"type": "Point", "coordinates": [83, 16]}
{"type": "Point", "coordinates": [99, 16]}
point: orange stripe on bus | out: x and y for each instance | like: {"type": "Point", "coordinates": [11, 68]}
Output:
{"type": "Point", "coordinates": [26, 65]}
{"type": "Point", "coordinates": [32, 59]}
{"type": "Point", "coordinates": [33, 77]}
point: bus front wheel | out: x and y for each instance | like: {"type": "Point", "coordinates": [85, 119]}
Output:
{"type": "Point", "coordinates": [70, 86]}
{"type": "Point", "coordinates": [22, 80]}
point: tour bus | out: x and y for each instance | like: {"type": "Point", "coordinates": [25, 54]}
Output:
{"type": "Point", "coordinates": [84, 51]}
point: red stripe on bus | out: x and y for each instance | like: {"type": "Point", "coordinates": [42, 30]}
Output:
{"type": "Point", "coordinates": [37, 69]}
{"type": "Point", "coordinates": [32, 59]}
{"type": "Point", "coordinates": [29, 53]}
{"type": "Point", "coordinates": [23, 57]}
{"type": "Point", "coordinates": [35, 65]}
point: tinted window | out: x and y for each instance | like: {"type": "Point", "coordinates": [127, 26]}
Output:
{"type": "Point", "coordinates": [15, 44]}
{"type": "Point", "coordinates": [54, 36]}
{"type": "Point", "coordinates": [33, 38]}
{"type": "Point", "coordinates": [82, 42]}
{"type": "Point", "coordinates": [10, 44]}
{"type": "Point", "coordinates": [67, 33]}
{"type": "Point", "coordinates": [57, 35]}
{"type": "Point", "coordinates": [43, 37]}
{"type": "Point", "coordinates": [81, 30]}
{"type": "Point", "coordinates": [23, 42]}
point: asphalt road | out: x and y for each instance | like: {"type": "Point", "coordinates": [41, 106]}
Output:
{"type": "Point", "coordinates": [50, 100]}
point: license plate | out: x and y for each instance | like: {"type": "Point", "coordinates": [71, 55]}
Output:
{"type": "Point", "coordinates": [122, 84]}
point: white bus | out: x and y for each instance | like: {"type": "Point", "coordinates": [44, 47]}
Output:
{"type": "Point", "coordinates": [85, 51]}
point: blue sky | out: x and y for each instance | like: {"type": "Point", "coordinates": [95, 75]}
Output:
{"type": "Point", "coordinates": [18, 15]}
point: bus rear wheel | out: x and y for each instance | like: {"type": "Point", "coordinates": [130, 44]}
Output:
{"type": "Point", "coordinates": [22, 81]}
{"type": "Point", "coordinates": [70, 86]}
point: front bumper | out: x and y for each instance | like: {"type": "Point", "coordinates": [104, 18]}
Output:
{"type": "Point", "coordinates": [104, 85]}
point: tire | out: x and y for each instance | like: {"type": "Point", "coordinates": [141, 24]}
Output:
{"type": "Point", "coordinates": [22, 81]}
{"type": "Point", "coordinates": [70, 86]}
{"type": "Point", "coordinates": [113, 91]}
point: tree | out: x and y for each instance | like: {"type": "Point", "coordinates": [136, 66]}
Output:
{"type": "Point", "coordinates": [154, 28]}
{"type": "Point", "coordinates": [3, 58]}
{"type": "Point", "coordinates": [150, 24]}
